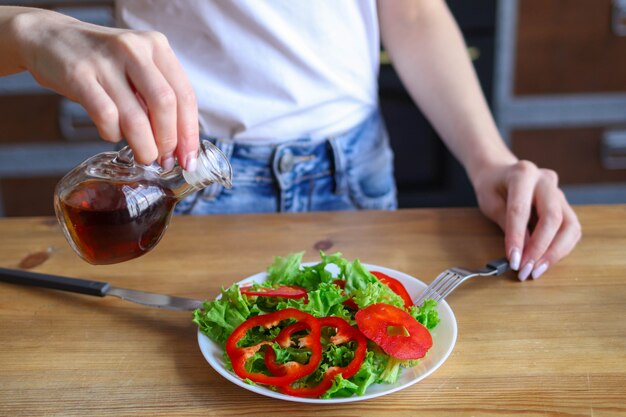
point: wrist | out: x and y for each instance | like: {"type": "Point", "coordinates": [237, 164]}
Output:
{"type": "Point", "coordinates": [19, 26]}
{"type": "Point", "coordinates": [12, 26]}
{"type": "Point", "coordinates": [29, 28]}
{"type": "Point", "coordinates": [482, 161]}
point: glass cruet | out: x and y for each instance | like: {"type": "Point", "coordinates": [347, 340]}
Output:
{"type": "Point", "coordinates": [112, 209]}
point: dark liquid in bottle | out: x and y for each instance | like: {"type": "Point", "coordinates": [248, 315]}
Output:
{"type": "Point", "coordinates": [113, 222]}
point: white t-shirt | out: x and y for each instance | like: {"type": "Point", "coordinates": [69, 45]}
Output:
{"type": "Point", "coordinates": [271, 70]}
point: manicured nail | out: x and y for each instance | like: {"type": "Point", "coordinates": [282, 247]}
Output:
{"type": "Point", "coordinates": [516, 257]}
{"type": "Point", "coordinates": [540, 270]}
{"type": "Point", "coordinates": [192, 162]}
{"type": "Point", "coordinates": [167, 162]}
{"type": "Point", "coordinates": [526, 270]}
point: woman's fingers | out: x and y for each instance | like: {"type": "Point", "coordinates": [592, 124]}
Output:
{"type": "Point", "coordinates": [186, 105]}
{"type": "Point", "coordinates": [101, 108]}
{"type": "Point", "coordinates": [557, 229]}
{"type": "Point", "coordinates": [563, 243]}
{"type": "Point", "coordinates": [160, 101]}
{"type": "Point", "coordinates": [134, 122]}
{"type": "Point", "coordinates": [161, 83]}
{"type": "Point", "coordinates": [549, 209]}
{"type": "Point", "coordinates": [521, 184]}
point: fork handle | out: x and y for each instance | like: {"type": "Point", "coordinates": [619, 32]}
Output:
{"type": "Point", "coordinates": [499, 265]}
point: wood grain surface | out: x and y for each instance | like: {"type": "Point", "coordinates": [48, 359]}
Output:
{"type": "Point", "coordinates": [551, 347]}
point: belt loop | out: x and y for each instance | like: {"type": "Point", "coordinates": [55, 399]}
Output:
{"type": "Point", "coordinates": [339, 159]}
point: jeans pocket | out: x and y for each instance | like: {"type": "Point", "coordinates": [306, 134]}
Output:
{"type": "Point", "coordinates": [371, 180]}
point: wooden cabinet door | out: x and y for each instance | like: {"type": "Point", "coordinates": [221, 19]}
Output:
{"type": "Point", "coordinates": [568, 47]}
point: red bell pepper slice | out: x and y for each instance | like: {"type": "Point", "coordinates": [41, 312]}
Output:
{"type": "Point", "coordinates": [284, 291]}
{"type": "Point", "coordinates": [344, 334]}
{"type": "Point", "coordinates": [376, 321]}
{"type": "Point", "coordinates": [284, 340]}
{"type": "Point", "coordinates": [395, 286]}
{"type": "Point", "coordinates": [239, 355]}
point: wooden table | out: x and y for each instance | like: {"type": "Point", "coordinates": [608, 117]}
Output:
{"type": "Point", "coordinates": [551, 347]}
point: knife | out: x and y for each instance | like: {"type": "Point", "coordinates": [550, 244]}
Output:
{"type": "Point", "coordinates": [97, 288]}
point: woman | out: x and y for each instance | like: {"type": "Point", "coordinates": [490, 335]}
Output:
{"type": "Point", "coordinates": [287, 88]}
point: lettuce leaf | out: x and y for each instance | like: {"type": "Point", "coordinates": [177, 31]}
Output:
{"type": "Point", "coordinates": [369, 373]}
{"type": "Point", "coordinates": [217, 319]}
{"type": "Point", "coordinates": [325, 301]}
{"type": "Point", "coordinates": [285, 270]}
{"type": "Point", "coordinates": [341, 388]}
{"type": "Point", "coordinates": [426, 314]}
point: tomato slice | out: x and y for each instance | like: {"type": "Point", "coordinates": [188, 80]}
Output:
{"type": "Point", "coordinates": [239, 355]}
{"type": "Point", "coordinates": [284, 291]}
{"type": "Point", "coordinates": [380, 322]}
{"type": "Point", "coordinates": [344, 334]}
{"type": "Point", "coordinates": [395, 286]}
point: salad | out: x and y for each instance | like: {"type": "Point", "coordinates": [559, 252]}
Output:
{"type": "Point", "coordinates": [324, 331]}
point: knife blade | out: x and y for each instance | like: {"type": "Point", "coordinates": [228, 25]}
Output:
{"type": "Point", "coordinates": [98, 288]}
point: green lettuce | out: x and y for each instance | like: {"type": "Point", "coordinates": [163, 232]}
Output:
{"type": "Point", "coordinates": [325, 301]}
{"type": "Point", "coordinates": [217, 319]}
{"type": "Point", "coordinates": [426, 314]}
{"type": "Point", "coordinates": [285, 270]}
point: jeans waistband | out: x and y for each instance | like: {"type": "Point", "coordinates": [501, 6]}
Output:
{"type": "Point", "coordinates": [353, 170]}
{"type": "Point", "coordinates": [288, 161]}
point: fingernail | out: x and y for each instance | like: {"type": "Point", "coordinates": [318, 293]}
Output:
{"type": "Point", "coordinates": [525, 272]}
{"type": "Point", "coordinates": [516, 257]}
{"type": "Point", "coordinates": [167, 162]}
{"type": "Point", "coordinates": [540, 270]}
{"type": "Point", "coordinates": [191, 162]}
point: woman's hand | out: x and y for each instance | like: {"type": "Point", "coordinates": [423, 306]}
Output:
{"type": "Point", "coordinates": [130, 82]}
{"type": "Point", "coordinates": [539, 225]}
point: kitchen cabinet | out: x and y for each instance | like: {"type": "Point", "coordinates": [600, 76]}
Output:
{"type": "Point", "coordinates": [560, 91]}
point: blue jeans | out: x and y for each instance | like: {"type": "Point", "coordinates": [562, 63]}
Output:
{"type": "Point", "coordinates": [350, 171]}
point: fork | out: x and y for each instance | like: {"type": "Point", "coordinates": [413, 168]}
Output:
{"type": "Point", "coordinates": [451, 278]}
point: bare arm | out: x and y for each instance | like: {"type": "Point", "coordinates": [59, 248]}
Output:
{"type": "Point", "coordinates": [430, 56]}
{"type": "Point", "coordinates": [12, 61]}
{"type": "Point", "coordinates": [130, 82]}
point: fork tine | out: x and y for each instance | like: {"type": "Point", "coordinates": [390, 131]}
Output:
{"type": "Point", "coordinates": [446, 285]}
{"type": "Point", "coordinates": [451, 278]}
{"type": "Point", "coordinates": [452, 282]}
{"type": "Point", "coordinates": [438, 286]}
{"type": "Point", "coordinates": [451, 287]}
{"type": "Point", "coordinates": [429, 290]}
{"type": "Point", "coordinates": [441, 282]}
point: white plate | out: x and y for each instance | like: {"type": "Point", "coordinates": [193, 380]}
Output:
{"type": "Point", "coordinates": [444, 338]}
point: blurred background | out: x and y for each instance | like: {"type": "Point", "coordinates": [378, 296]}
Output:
{"type": "Point", "coordinates": [553, 71]}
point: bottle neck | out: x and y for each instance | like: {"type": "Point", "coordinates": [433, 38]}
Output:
{"type": "Point", "coordinates": [212, 167]}
{"type": "Point", "coordinates": [175, 180]}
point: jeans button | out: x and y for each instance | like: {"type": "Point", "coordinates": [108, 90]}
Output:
{"type": "Point", "coordinates": [286, 161]}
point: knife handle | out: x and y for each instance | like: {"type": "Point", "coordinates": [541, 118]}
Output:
{"type": "Point", "coordinates": [82, 286]}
